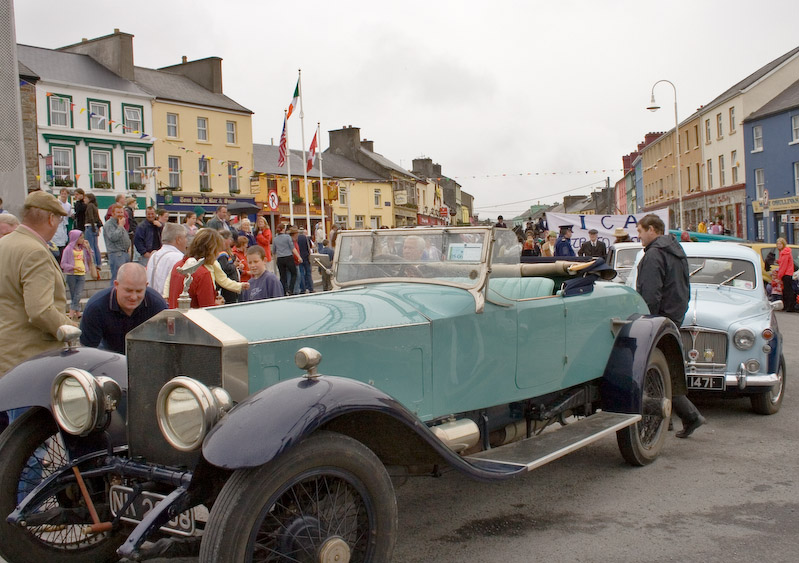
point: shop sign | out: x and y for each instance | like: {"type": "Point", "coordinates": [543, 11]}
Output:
{"type": "Point", "coordinates": [255, 185]}
{"type": "Point", "coordinates": [400, 197]}
{"type": "Point", "coordinates": [781, 204]}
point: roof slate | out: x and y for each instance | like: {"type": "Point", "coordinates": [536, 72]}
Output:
{"type": "Point", "coordinates": [73, 68]}
{"type": "Point", "coordinates": [786, 100]}
{"type": "Point", "coordinates": [386, 163]}
{"type": "Point", "coordinates": [175, 87]}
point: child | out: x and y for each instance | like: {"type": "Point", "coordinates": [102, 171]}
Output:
{"type": "Point", "coordinates": [263, 284]}
{"type": "Point", "coordinates": [240, 252]}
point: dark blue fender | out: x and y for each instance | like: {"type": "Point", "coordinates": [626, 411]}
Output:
{"type": "Point", "coordinates": [623, 380]}
{"type": "Point", "coordinates": [29, 383]}
{"type": "Point", "coordinates": [277, 418]}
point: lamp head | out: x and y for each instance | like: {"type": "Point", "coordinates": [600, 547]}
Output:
{"type": "Point", "coordinates": [653, 105]}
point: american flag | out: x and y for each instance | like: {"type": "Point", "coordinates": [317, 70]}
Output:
{"type": "Point", "coordinates": [281, 159]}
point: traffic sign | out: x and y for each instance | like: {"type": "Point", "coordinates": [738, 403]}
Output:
{"type": "Point", "coordinates": [273, 200]}
{"type": "Point", "coordinates": [765, 198]}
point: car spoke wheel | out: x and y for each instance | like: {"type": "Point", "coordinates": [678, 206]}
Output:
{"type": "Point", "coordinates": [771, 401]}
{"type": "Point", "coordinates": [640, 444]}
{"type": "Point", "coordinates": [328, 499]}
{"type": "Point", "coordinates": [31, 450]}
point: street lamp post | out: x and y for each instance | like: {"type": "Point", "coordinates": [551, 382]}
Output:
{"type": "Point", "coordinates": [654, 107]}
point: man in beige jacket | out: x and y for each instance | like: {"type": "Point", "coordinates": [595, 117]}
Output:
{"type": "Point", "coordinates": [32, 293]}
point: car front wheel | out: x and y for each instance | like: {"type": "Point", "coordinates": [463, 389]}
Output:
{"type": "Point", "coordinates": [327, 499]}
{"type": "Point", "coordinates": [31, 450]}
{"type": "Point", "coordinates": [771, 401]}
{"type": "Point", "coordinates": [640, 444]}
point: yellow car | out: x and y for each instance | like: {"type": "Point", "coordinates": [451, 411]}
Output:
{"type": "Point", "coordinates": [763, 249]}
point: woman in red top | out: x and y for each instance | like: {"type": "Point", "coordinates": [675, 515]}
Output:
{"type": "Point", "coordinates": [207, 243]}
{"type": "Point", "coordinates": [263, 236]}
{"type": "Point", "coordinates": [785, 275]}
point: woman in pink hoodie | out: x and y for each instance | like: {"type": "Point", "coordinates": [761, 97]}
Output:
{"type": "Point", "coordinates": [785, 275]}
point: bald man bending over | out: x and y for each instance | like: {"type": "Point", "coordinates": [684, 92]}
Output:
{"type": "Point", "coordinates": [113, 312]}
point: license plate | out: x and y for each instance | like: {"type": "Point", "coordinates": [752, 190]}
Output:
{"type": "Point", "coordinates": [711, 382]}
{"type": "Point", "coordinates": [182, 525]}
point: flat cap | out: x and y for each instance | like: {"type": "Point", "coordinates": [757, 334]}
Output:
{"type": "Point", "coordinates": [593, 232]}
{"type": "Point", "coordinates": [43, 200]}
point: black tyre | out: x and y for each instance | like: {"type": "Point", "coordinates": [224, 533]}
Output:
{"type": "Point", "coordinates": [31, 450]}
{"type": "Point", "coordinates": [640, 444]}
{"type": "Point", "coordinates": [771, 401]}
{"type": "Point", "coordinates": [327, 499]}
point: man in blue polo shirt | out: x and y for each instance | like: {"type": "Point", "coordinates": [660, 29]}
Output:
{"type": "Point", "coordinates": [112, 313]}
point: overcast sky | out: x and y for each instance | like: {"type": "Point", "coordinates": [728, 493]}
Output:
{"type": "Point", "coordinates": [515, 100]}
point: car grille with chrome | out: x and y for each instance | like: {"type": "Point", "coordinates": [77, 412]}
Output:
{"type": "Point", "coordinates": [705, 350]}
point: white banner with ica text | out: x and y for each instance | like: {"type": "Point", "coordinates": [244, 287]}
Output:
{"type": "Point", "coordinates": [606, 225]}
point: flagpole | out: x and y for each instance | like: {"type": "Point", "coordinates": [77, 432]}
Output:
{"type": "Point", "coordinates": [304, 158]}
{"type": "Point", "coordinates": [321, 184]}
{"type": "Point", "coordinates": [288, 170]}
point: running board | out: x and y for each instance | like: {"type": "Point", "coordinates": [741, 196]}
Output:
{"type": "Point", "coordinates": [539, 450]}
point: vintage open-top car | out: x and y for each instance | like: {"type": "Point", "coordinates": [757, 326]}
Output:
{"type": "Point", "coordinates": [732, 344]}
{"type": "Point", "coordinates": [437, 347]}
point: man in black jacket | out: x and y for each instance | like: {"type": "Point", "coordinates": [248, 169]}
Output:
{"type": "Point", "coordinates": [663, 282]}
{"type": "Point", "coordinates": [593, 247]}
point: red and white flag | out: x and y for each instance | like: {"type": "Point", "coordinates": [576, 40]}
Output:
{"type": "Point", "coordinates": [295, 100]}
{"type": "Point", "coordinates": [281, 159]}
{"type": "Point", "coordinates": [311, 154]}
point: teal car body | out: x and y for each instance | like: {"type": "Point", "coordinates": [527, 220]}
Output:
{"type": "Point", "coordinates": [436, 347]}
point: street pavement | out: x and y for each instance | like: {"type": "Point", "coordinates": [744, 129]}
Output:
{"type": "Point", "coordinates": [727, 494]}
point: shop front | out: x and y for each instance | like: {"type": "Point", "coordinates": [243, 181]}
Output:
{"type": "Point", "coordinates": [179, 205]}
{"type": "Point", "coordinates": [781, 219]}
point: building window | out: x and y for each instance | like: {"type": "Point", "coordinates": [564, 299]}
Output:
{"type": "Point", "coordinates": [342, 220]}
{"type": "Point", "coordinates": [271, 184]}
{"type": "Point", "coordinates": [205, 179]}
{"type": "Point", "coordinates": [707, 131]}
{"type": "Point", "coordinates": [359, 220]}
{"type": "Point", "coordinates": [101, 168]}
{"type": "Point", "coordinates": [757, 138]}
{"type": "Point", "coordinates": [690, 187]}
{"type": "Point", "coordinates": [133, 121]}
{"type": "Point", "coordinates": [795, 128]}
{"type": "Point", "coordinates": [202, 128]}
{"type": "Point", "coordinates": [796, 177]}
{"type": "Point", "coordinates": [172, 125]}
{"type": "Point", "coordinates": [732, 120]}
{"type": "Point", "coordinates": [62, 163]}
{"type": "Point", "coordinates": [60, 110]}
{"type": "Point", "coordinates": [760, 183]}
{"type": "Point", "coordinates": [696, 136]}
{"type": "Point", "coordinates": [687, 142]}
{"type": "Point", "coordinates": [709, 174]}
{"type": "Point", "coordinates": [698, 177]}
{"type": "Point", "coordinates": [295, 189]}
{"type": "Point", "coordinates": [719, 131]}
{"type": "Point", "coordinates": [134, 162]}
{"type": "Point", "coordinates": [722, 178]}
{"type": "Point", "coordinates": [174, 172]}
{"type": "Point", "coordinates": [230, 130]}
{"type": "Point", "coordinates": [342, 196]}
{"type": "Point", "coordinates": [233, 177]}
{"type": "Point", "coordinates": [378, 198]}
{"type": "Point", "coordinates": [734, 166]}
{"type": "Point", "coordinates": [98, 116]}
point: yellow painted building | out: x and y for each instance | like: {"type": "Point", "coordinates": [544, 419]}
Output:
{"type": "Point", "coordinates": [364, 204]}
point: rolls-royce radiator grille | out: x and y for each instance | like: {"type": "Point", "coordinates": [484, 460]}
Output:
{"type": "Point", "coordinates": [706, 351]}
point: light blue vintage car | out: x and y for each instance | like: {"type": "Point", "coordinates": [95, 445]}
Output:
{"type": "Point", "coordinates": [730, 336]}
{"type": "Point", "coordinates": [290, 419]}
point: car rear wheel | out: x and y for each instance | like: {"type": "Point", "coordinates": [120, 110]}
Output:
{"type": "Point", "coordinates": [771, 401]}
{"type": "Point", "coordinates": [640, 444]}
{"type": "Point", "coordinates": [31, 450]}
{"type": "Point", "coordinates": [327, 499]}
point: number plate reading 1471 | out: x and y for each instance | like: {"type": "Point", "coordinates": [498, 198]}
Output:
{"type": "Point", "coordinates": [182, 525]}
{"type": "Point", "coordinates": [711, 382]}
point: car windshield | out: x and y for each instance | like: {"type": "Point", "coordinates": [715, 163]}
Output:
{"type": "Point", "coordinates": [722, 271]}
{"type": "Point", "coordinates": [454, 256]}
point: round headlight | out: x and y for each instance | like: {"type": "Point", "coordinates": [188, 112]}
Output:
{"type": "Point", "coordinates": [743, 339]}
{"type": "Point", "coordinates": [80, 400]}
{"type": "Point", "coordinates": [752, 366]}
{"type": "Point", "coordinates": [187, 410]}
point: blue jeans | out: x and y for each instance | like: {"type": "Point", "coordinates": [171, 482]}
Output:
{"type": "Point", "coordinates": [75, 285]}
{"type": "Point", "coordinates": [306, 281]}
{"type": "Point", "coordinates": [115, 260]}
{"type": "Point", "coordinates": [90, 234]}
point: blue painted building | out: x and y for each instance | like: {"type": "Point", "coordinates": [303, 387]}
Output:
{"type": "Point", "coordinates": [771, 141]}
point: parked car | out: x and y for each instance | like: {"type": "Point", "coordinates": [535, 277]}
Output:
{"type": "Point", "coordinates": [730, 337]}
{"type": "Point", "coordinates": [621, 258]}
{"type": "Point", "coordinates": [439, 348]}
{"type": "Point", "coordinates": [763, 249]}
